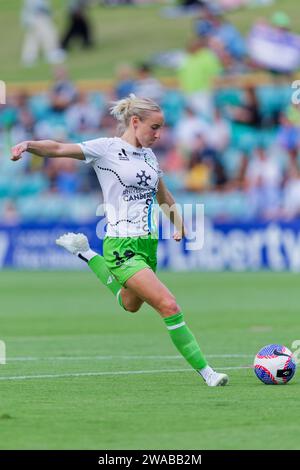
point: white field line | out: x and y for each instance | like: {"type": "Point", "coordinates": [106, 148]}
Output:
{"type": "Point", "coordinates": [109, 358]}
{"type": "Point", "coordinates": [97, 374]}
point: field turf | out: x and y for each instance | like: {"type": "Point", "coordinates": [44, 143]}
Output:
{"type": "Point", "coordinates": [122, 34]}
{"type": "Point", "coordinates": [83, 374]}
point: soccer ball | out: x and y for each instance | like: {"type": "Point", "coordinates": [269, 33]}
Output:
{"type": "Point", "coordinates": [274, 364]}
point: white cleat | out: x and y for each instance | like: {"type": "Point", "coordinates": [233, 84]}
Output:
{"type": "Point", "coordinates": [215, 379]}
{"type": "Point", "coordinates": [75, 243]}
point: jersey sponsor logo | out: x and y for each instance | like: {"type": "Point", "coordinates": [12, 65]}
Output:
{"type": "Point", "coordinates": [136, 194]}
{"type": "Point", "coordinates": [143, 179]}
{"type": "Point", "coordinates": [123, 155]}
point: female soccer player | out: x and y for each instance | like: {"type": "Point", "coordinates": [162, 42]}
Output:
{"type": "Point", "coordinates": [130, 179]}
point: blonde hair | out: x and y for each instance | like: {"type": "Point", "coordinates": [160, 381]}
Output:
{"type": "Point", "coordinates": [125, 108]}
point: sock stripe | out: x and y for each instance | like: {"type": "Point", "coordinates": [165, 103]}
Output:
{"type": "Point", "coordinates": [174, 327]}
{"type": "Point", "coordinates": [119, 299]}
{"type": "Point", "coordinates": [118, 295]}
{"type": "Point", "coordinates": [83, 258]}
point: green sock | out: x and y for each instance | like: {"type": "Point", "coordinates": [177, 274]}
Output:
{"type": "Point", "coordinates": [98, 266]}
{"type": "Point", "coordinates": [185, 341]}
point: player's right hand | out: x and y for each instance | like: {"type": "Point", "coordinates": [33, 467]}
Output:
{"type": "Point", "coordinates": [17, 150]}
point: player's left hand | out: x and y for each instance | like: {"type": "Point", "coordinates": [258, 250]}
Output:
{"type": "Point", "coordinates": [178, 236]}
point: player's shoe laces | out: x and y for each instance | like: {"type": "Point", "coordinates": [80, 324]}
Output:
{"type": "Point", "coordinates": [75, 243]}
{"type": "Point", "coordinates": [215, 379]}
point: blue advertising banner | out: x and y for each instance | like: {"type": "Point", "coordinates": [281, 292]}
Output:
{"type": "Point", "coordinates": [250, 246]}
{"type": "Point", "coordinates": [32, 246]}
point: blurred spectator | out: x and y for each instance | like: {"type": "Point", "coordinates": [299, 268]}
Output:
{"type": "Point", "coordinates": [83, 117]}
{"type": "Point", "coordinates": [173, 104]}
{"type": "Point", "coordinates": [63, 175]}
{"type": "Point", "coordinates": [188, 3]}
{"type": "Point", "coordinates": [17, 118]}
{"type": "Point", "coordinates": [238, 180]}
{"type": "Point", "coordinates": [174, 161]}
{"type": "Point", "coordinates": [197, 76]}
{"type": "Point", "coordinates": [10, 214]}
{"type": "Point", "coordinates": [289, 130]}
{"type": "Point", "coordinates": [203, 153]}
{"type": "Point", "coordinates": [204, 160]}
{"type": "Point", "coordinates": [273, 45]}
{"type": "Point", "coordinates": [40, 33]}
{"type": "Point", "coordinates": [189, 128]}
{"type": "Point", "coordinates": [108, 124]}
{"type": "Point", "coordinates": [52, 122]}
{"type": "Point", "coordinates": [196, 153]}
{"type": "Point", "coordinates": [263, 181]}
{"type": "Point", "coordinates": [220, 132]}
{"type": "Point", "coordinates": [147, 86]}
{"type": "Point", "coordinates": [79, 25]}
{"type": "Point", "coordinates": [22, 118]}
{"type": "Point", "coordinates": [198, 177]}
{"type": "Point", "coordinates": [248, 111]}
{"type": "Point", "coordinates": [23, 129]}
{"type": "Point", "coordinates": [125, 81]}
{"type": "Point", "coordinates": [291, 193]}
{"type": "Point", "coordinates": [200, 172]}
{"type": "Point", "coordinates": [211, 22]}
{"type": "Point", "coordinates": [63, 92]}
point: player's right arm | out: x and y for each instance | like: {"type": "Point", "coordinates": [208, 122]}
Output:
{"type": "Point", "coordinates": [47, 148]}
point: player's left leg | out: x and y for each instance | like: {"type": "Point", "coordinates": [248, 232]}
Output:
{"type": "Point", "coordinates": [148, 287]}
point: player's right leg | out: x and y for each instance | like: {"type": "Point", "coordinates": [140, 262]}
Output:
{"type": "Point", "coordinates": [130, 301]}
{"type": "Point", "coordinates": [78, 245]}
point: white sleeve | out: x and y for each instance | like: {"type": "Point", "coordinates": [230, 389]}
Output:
{"type": "Point", "coordinates": [94, 149]}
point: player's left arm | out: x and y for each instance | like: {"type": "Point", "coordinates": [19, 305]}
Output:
{"type": "Point", "coordinates": [168, 206]}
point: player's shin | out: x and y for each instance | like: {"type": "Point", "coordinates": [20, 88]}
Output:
{"type": "Point", "coordinates": [185, 341]}
{"type": "Point", "coordinates": [98, 266]}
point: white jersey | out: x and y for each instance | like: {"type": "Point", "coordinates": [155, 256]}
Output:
{"type": "Point", "coordinates": [128, 177]}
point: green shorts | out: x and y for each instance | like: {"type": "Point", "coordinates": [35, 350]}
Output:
{"type": "Point", "coordinates": [126, 256]}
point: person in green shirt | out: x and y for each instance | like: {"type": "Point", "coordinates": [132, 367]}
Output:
{"type": "Point", "coordinates": [197, 75]}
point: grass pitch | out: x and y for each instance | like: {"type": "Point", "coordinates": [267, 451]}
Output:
{"type": "Point", "coordinates": [122, 34]}
{"type": "Point", "coordinates": [83, 374]}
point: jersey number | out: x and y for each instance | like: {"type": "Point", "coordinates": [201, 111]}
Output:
{"type": "Point", "coordinates": [121, 259]}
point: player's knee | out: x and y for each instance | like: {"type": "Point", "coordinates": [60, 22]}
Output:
{"type": "Point", "coordinates": [132, 305]}
{"type": "Point", "coordinates": [168, 306]}
{"type": "Point", "coordinates": [132, 308]}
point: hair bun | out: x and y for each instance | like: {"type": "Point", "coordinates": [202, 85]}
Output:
{"type": "Point", "coordinates": [122, 107]}
{"type": "Point", "coordinates": [125, 108]}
